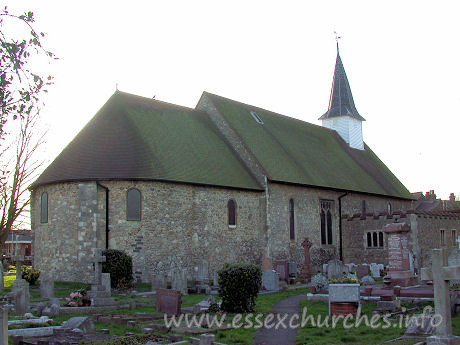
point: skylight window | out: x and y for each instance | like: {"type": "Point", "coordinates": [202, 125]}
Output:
{"type": "Point", "coordinates": [256, 117]}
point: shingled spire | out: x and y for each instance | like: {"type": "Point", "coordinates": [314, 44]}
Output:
{"type": "Point", "coordinates": [342, 115]}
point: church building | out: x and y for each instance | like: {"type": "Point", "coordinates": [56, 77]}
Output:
{"type": "Point", "coordinates": [222, 182]}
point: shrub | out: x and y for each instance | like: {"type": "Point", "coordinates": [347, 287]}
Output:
{"type": "Point", "coordinates": [367, 280]}
{"type": "Point", "coordinates": [120, 266]}
{"type": "Point", "coordinates": [319, 281]}
{"type": "Point", "coordinates": [29, 274]}
{"type": "Point", "coordinates": [238, 287]}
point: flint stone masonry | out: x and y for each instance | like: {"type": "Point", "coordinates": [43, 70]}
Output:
{"type": "Point", "coordinates": [181, 225]}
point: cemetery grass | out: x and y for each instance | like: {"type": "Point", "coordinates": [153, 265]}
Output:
{"type": "Point", "coordinates": [361, 335]}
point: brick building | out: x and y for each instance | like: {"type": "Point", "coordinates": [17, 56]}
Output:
{"type": "Point", "coordinates": [223, 182]}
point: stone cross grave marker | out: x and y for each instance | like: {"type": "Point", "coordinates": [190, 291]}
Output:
{"type": "Point", "coordinates": [441, 274]}
{"type": "Point", "coordinates": [98, 260]}
{"type": "Point", "coordinates": [306, 271]}
{"type": "Point", "coordinates": [19, 259]}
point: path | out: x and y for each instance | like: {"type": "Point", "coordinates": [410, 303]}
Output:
{"type": "Point", "coordinates": [281, 336]}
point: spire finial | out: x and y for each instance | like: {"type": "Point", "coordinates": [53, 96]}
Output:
{"type": "Point", "coordinates": [337, 37]}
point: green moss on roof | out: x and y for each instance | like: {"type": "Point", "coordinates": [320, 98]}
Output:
{"type": "Point", "coordinates": [295, 151]}
{"type": "Point", "coordinates": [135, 138]}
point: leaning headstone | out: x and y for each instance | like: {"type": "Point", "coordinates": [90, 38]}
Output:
{"type": "Point", "coordinates": [421, 326]}
{"type": "Point", "coordinates": [168, 301]}
{"type": "Point", "coordinates": [86, 324]}
{"type": "Point", "coordinates": [270, 280]}
{"type": "Point", "coordinates": [3, 325]}
{"type": "Point", "coordinates": [336, 269]}
{"type": "Point", "coordinates": [375, 270]}
{"type": "Point", "coordinates": [46, 287]}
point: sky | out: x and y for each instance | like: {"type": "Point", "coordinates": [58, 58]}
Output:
{"type": "Point", "coordinates": [401, 59]}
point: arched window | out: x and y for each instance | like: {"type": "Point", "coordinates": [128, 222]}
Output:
{"type": "Point", "coordinates": [363, 208]}
{"type": "Point", "coordinates": [326, 221]}
{"type": "Point", "coordinates": [329, 227]}
{"type": "Point", "coordinates": [291, 220]}
{"type": "Point", "coordinates": [231, 206]}
{"type": "Point", "coordinates": [369, 239]}
{"type": "Point", "coordinates": [380, 239]}
{"type": "Point", "coordinates": [389, 211]}
{"type": "Point", "coordinates": [323, 227]}
{"type": "Point", "coordinates": [44, 208]}
{"type": "Point", "coordinates": [133, 204]}
{"type": "Point", "coordinates": [374, 239]}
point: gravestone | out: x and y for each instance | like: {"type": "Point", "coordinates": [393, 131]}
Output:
{"type": "Point", "coordinates": [3, 325]}
{"type": "Point", "coordinates": [2, 287]}
{"type": "Point", "coordinates": [292, 267]}
{"type": "Point", "coordinates": [203, 272]}
{"type": "Point", "coordinates": [398, 254]}
{"type": "Point", "coordinates": [281, 267]}
{"type": "Point", "coordinates": [441, 274]}
{"type": "Point", "coordinates": [375, 270]}
{"type": "Point", "coordinates": [267, 264]}
{"type": "Point", "coordinates": [19, 260]}
{"type": "Point", "coordinates": [159, 281]}
{"type": "Point", "coordinates": [306, 271]}
{"type": "Point", "coordinates": [352, 268]}
{"type": "Point", "coordinates": [46, 287]}
{"type": "Point", "coordinates": [336, 269]}
{"type": "Point", "coordinates": [179, 281]}
{"type": "Point", "coordinates": [99, 295]}
{"type": "Point", "coordinates": [324, 268]}
{"type": "Point", "coordinates": [168, 301]}
{"type": "Point", "coordinates": [105, 281]}
{"type": "Point", "coordinates": [215, 280]}
{"type": "Point", "coordinates": [270, 280]}
{"type": "Point", "coordinates": [362, 271]}
{"type": "Point", "coordinates": [21, 296]}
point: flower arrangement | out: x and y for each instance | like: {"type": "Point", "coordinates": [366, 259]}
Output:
{"type": "Point", "coordinates": [78, 299]}
{"type": "Point", "coordinates": [348, 279]}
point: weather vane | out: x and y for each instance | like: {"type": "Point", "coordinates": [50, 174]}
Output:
{"type": "Point", "coordinates": [337, 38]}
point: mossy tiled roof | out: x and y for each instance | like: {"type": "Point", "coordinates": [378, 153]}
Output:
{"type": "Point", "coordinates": [136, 138]}
{"type": "Point", "coordinates": [295, 151]}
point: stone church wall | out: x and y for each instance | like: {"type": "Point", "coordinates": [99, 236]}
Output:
{"type": "Point", "coordinates": [62, 245]}
{"type": "Point", "coordinates": [180, 226]}
{"type": "Point", "coordinates": [424, 235]}
{"type": "Point", "coordinates": [307, 218]}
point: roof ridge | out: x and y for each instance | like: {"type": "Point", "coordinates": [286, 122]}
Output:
{"type": "Point", "coordinates": [268, 111]}
{"type": "Point", "coordinates": [153, 100]}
